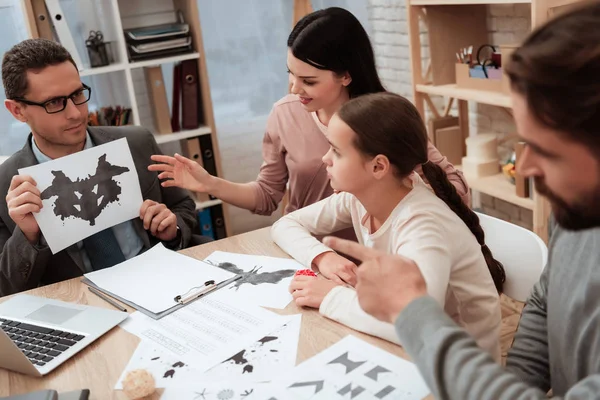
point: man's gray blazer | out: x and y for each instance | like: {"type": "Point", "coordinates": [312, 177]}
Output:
{"type": "Point", "coordinates": [25, 266]}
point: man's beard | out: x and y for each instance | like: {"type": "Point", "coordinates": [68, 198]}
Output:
{"type": "Point", "coordinates": [584, 215]}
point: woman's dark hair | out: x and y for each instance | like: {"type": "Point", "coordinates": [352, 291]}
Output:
{"type": "Point", "coordinates": [390, 125]}
{"type": "Point", "coordinates": [556, 70]}
{"type": "Point", "coordinates": [333, 39]}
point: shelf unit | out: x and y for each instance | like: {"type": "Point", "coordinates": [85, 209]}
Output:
{"type": "Point", "coordinates": [480, 96]}
{"type": "Point", "coordinates": [459, 23]}
{"type": "Point", "coordinates": [137, 64]}
{"type": "Point", "coordinates": [499, 187]}
{"type": "Point", "coordinates": [465, 2]}
{"type": "Point", "coordinates": [120, 14]}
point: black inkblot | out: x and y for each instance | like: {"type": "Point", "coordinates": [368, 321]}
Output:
{"type": "Point", "coordinates": [253, 277]}
{"type": "Point", "coordinates": [346, 362]}
{"type": "Point", "coordinates": [267, 339]}
{"type": "Point", "coordinates": [169, 373]}
{"type": "Point", "coordinates": [178, 364]}
{"type": "Point", "coordinates": [238, 358]}
{"type": "Point", "coordinates": [108, 191]}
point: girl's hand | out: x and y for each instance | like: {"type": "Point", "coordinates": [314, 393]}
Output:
{"type": "Point", "coordinates": [337, 268]}
{"type": "Point", "coordinates": [309, 291]}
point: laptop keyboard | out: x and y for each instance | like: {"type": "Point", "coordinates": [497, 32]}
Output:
{"type": "Point", "coordinates": [41, 345]}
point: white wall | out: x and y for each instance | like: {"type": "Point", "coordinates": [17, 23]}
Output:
{"type": "Point", "coordinates": [245, 53]}
{"type": "Point", "coordinates": [12, 31]}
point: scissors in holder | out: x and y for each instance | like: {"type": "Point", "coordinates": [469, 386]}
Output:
{"type": "Point", "coordinates": [95, 39]}
{"type": "Point", "coordinates": [492, 61]}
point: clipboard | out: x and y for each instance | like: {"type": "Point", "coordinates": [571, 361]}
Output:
{"type": "Point", "coordinates": [150, 281]}
{"type": "Point", "coordinates": [168, 311]}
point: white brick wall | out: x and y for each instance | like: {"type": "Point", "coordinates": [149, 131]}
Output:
{"type": "Point", "coordinates": [390, 43]}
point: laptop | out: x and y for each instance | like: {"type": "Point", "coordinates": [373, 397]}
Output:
{"type": "Point", "coordinates": [38, 334]}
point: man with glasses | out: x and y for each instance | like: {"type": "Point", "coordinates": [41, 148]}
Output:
{"type": "Point", "coordinates": [44, 90]}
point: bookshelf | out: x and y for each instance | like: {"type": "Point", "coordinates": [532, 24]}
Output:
{"type": "Point", "coordinates": [112, 17]}
{"type": "Point", "coordinates": [137, 64]}
{"type": "Point", "coordinates": [452, 24]}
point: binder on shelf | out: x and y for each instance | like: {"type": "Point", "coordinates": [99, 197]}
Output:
{"type": "Point", "coordinates": [175, 112]}
{"type": "Point", "coordinates": [208, 156]}
{"type": "Point", "coordinates": [218, 222]}
{"type": "Point", "coordinates": [521, 182]}
{"type": "Point", "coordinates": [191, 106]}
{"type": "Point", "coordinates": [205, 223]}
{"type": "Point", "coordinates": [191, 149]}
{"type": "Point", "coordinates": [158, 99]}
{"type": "Point", "coordinates": [62, 30]}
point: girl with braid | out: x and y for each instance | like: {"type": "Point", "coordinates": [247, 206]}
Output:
{"type": "Point", "coordinates": [376, 143]}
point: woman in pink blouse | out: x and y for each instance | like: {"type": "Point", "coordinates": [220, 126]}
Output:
{"type": "Point", "coordinates": [330, 60]}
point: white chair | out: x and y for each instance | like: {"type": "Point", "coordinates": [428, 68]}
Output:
{"type": "Point", "coordinates": [521, 251]}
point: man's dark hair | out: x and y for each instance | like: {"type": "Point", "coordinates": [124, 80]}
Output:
{"type": "Point", "coordinates": [30, 54]}
{"type": "Point", "coordinates": [557, 70]}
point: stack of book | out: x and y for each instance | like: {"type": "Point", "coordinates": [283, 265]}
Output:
{"type": "Point", "coordinates": [158, 41]}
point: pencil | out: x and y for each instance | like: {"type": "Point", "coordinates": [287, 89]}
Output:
{"type": "Point", "coordinates": [106, 299]}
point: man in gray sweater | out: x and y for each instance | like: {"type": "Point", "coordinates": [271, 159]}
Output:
{"type": "Point", "coordinates": [555, 79]}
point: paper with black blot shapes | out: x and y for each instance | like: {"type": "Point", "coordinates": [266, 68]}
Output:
{"type": "Point", "coordinates": [223, 390]}
{"type": "Point", "coordinates": [263, 357]}
{"type": "Point", "coordinates": [265, 280]}
{"type": "Point", "coordinates": [351, 369]}
{"type": "Point", "coordinates": [206, 332]}
{"type": "Point", "coordinates": [85, 193]}
{"type": "Point", "coordinates": [275, 352]}
{"type": "Point", "coordinates": [166, 369]}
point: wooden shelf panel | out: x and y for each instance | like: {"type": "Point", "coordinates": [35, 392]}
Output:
{"type": "Point", "coordinates": [103, 70]}
{"type": "Point", "coordinates": [173, 137]}
{"type": "Point", "coordinates": [480, 96]}
{"type": "Point", "coordinates": [137, 64]}
{"type": "Point", "coordinates": [465, 2]}
{"type": "Point", "coordinates": [498, 186]}
{"type": "Point", "coordinates": [164, 60]}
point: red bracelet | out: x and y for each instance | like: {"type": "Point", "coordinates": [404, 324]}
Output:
{"type": "Point", "coordinates": [305, 272]}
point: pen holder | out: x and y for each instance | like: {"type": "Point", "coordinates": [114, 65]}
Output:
{"type": "Point", "coordinates": [99, 54]}
{"type": "Point", "coordinates": [474, 78]}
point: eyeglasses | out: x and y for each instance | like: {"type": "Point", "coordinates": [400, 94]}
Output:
{"type": "Point", "coordinates": [57, 104]}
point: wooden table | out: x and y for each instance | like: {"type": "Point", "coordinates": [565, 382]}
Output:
{"type": "Point", "coordinates": [98, 366]}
